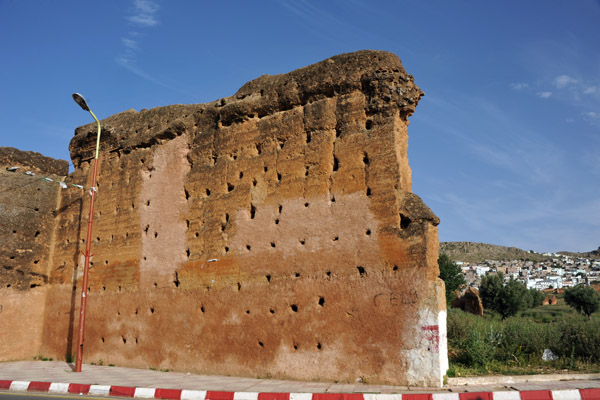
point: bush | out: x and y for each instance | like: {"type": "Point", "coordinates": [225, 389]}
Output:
{"type": "Point", "coordinates": [488, 344]}
{"type": "Point", "coordinates": [513, 297]}
{"type": "Point", "coordinates": [507, 299]}
{"type": "Point", "coordinates": [535, 298]}
{"type": "Point", "coordinates": [458, 325]}
{"type": "Point", "coordinates": [584, 299]}
{"type": "Point", "coordinates": [577, 337]}
{"type": "Point", "coordinates": [489, 290]}
{"type": "Point", "coordinates": [524, 339]}
{"type": "Point", "coordinates": [482, 345]}
{"type": "Point", "coordinates": [473, 340]}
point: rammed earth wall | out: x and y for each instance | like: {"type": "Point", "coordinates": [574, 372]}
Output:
{"type": "Point", "coordinates": [27, 214]}
{"type": "Point", "coordinates": [270, 233]}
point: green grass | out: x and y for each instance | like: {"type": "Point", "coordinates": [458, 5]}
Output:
{"type": "Point", "coordinates": [553, 313]}
{"type": "Point", "coordinates": [40, 357]}
{"type": "Point", "coordinates": [515, 346]}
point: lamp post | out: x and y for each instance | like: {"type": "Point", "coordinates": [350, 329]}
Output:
{"type": "Point", "coordinates": [82, 103]}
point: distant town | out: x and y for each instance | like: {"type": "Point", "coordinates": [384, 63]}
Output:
{"type": "Point", "coordinates": [557, 272]}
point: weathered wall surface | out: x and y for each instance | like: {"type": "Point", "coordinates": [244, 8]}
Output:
{"type": "Point", "coordinates": [27, 207]}
{"type": "Point", "coordinates": [273, 232]}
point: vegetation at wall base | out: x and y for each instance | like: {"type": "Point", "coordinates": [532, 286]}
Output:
{"type": "Point", "coordinates": [515, 345]}
{"type": "Point", "coordinates": [498, 368]}
{"type": "Point", "coordinates": [69, 357]}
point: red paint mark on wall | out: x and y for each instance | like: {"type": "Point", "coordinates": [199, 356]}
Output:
{"type": "Point", "coordinates": [431, 335]}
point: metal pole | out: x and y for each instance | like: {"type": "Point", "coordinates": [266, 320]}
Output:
{"type": "Point", "coordinates": [88, 243]}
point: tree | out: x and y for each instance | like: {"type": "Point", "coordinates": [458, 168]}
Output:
{"type": "Point", "coordinates": [452, 276]}
{"type": "Point", "coordinates": [537, 298]}
{"type": "Point", "coordinates": [584, 299]}
{"type": "Point", "coordinates": [490, 290]}
{"type": "Point", "coordinates": [507, 299]}
{"type": "Point", "coordinates": [513, 298]}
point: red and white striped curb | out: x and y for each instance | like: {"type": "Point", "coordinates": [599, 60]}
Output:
{"type": "Point", "coordinates": [178, 394]}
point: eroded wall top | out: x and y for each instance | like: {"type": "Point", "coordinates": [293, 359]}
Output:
{"type": "Point", "coordinates": [35, 162]}
{"type": "Point", "coordinates": [27, 207]}
{"type": "Point", "coordinates": [378, 74]}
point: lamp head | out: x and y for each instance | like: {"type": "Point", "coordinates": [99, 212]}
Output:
{"type": "Point", "coordinates": [81, 101]}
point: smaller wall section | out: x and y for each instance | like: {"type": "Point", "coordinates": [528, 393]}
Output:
{"type": "Point", "coordinates": [27, 206]}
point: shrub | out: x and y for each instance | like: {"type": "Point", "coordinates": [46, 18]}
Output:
{"type": "Point", "coordinates": [513, 297]}
{"type": "Point", "coordinates": [583, 299]}
{"type": "Point", "coordinates": [482, 345]}
{"type": "Point", "coordinates": [473, 339]}
{"type": "Point", "coordinates": [579, 338]}
{"type": "Point", "coordinates": [524, 340]}
{"type": "Point", "coordinates": [489, 290]}
{"type": "Point", "coordinates": [459, 324]}
{"type": "Point", "coordinates": [488, 344]}
{"type": "Point", "coordinates": [506, 299]}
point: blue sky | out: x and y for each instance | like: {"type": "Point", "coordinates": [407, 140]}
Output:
{"type": "Point", "coordinates": [504, 147]}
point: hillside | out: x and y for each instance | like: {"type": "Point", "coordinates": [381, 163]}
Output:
{"type": "Point", "coordinates": [594, 254]}
{"type": "Point", "coordinates": [478, 252]}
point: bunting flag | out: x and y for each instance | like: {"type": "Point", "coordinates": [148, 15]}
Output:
{"type": "Point", "coordinates": [62, 184]}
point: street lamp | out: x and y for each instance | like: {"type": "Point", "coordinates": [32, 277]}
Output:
{"type": "Point", "coordinates": [82, 103]}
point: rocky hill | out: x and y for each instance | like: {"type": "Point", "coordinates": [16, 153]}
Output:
{"type": "Point", "coordinates": [478, 252]}
{"type": "Point", "coordinates": [594, 254]}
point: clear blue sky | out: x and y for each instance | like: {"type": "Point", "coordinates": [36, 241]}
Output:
{"type": "Point", "coordinates": [504, 147]}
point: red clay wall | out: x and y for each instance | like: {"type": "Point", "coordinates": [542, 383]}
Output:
{"type": "Point", "coordinates": [27, 207]}
{"type": "Point", "coordinates": [271, 233]}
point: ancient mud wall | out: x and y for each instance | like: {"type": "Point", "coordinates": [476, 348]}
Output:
{"type": "Point", "coordinates": [27, 208]}
{"type": "Point", "coordinates": [271, 233]}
